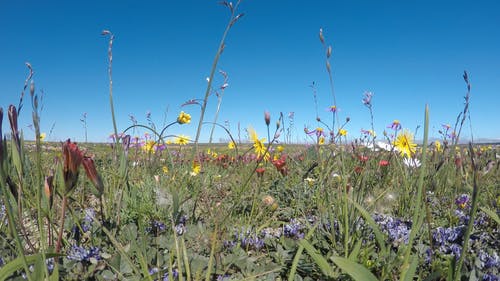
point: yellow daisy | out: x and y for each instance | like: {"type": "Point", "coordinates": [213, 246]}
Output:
{"type": "Point", "coordinates": [404, 143]}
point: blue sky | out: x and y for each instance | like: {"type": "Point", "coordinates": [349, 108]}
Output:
{"type": "Point", "coordinates": [408, 53]}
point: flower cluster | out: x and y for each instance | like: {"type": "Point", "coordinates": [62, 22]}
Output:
{"type": "Point", "coordinates": [294, 229]}
{"type": "Point", "coordinates": [246, 238]}
{"type": "Point", "coordinates": [78, 253]}
{"type": "Point", "coordinates": [397, 229]}
{"type": "Point", "coordinates": [183, 118]}
{"type": "Point", "coordinates": [88, 219]}
{"type": "Point", "coordinates": [180, 227]}
{"type": "Point", "coordinates": [449, 240]}
{"type": "Point", "coordinates": [156, 227]}
{"type": "Point", "coordinates": [166, 275]}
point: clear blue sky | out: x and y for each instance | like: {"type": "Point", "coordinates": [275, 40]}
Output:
{"type": "Point", "coordinates": [408, 53]}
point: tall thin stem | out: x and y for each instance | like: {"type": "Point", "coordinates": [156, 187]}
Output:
{"type": "Point", "coordinates": [231, 22]}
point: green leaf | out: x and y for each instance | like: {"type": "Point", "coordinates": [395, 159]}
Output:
{"type": "Point", "coordinates": [318, 259]}
{"type": "Point", "coordinates": [17, 264]}
{"type": "Point", "coordinates": [355, 270]}
{"type": "Point", "coordinates": [355, 251]}
{"type": "Point", "coordinates": [490, 213]}
{"type": "Point", "coordinates": [409, 273]}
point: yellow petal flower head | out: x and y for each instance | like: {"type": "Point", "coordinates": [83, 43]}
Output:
{"type": "Point", "coordinates": [343, 132]}
{"type": "Point", "coordinates": [321, 140]}
{"type": "Point", "coordinates": [149, 146]}
{"type": "Point", "coordinates": [437, 145]}
{"type": "Point", "coordinates": [42, 136]}
{"type": "Point", "coordinates": [182, 140]}
{"type": "Point", "coordinates": [258, 145]}
{"type": "Point", "coordinates": [183, 118]}
{"type": "Point", "coordinates": [231, 145]}
{"type": "Point", "coordinates": [404, 143]}
{"type": "Point", "coordinates": [196, 169]}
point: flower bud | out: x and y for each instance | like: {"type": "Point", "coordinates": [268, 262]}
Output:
{"type": "Point", "coordinates": [94, 177]}
{"type": "Point", "coordinates": [267, 118]}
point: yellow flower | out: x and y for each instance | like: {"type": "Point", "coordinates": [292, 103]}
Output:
{"type": "Point", "coordinates": [437, 145]}
{"type": "Point", "coordinates": [280, 148]}
{"type": "Point", "coordinates": [343, 132]}
{"type": "Point", "coordinates": [183, 118]}
{"type": "Point", "coordinates": [258, 145]}
{"type": "Point", "coordinates": [42, 136]}
{"type": "Point", "coordinates": [309, 181]}
{"type": "Point", "coordinates": [321, 140]}
{"type": "Point", "coordinates": [165, 169]}
{"type": "Point", "coordinates": [149, 146]}
{"type": "Point", "coordinates": [182, 140]}
{"type": "Point", "coordinates": [404, 143]}
{"type": "Point", "coordinates": [212, 153]}
{"type": "Point", "coordinates": [231, 145]}
{"type": "Point", "coordinates": [196, 168]}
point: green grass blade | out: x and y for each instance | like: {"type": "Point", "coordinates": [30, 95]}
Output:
{"type": "Point", "coordinates": [323, 264]}
{"type": "Point", "coordinates": [296, 259]}
{"type": "Point", "coordinates": [379, 237]}
{"type": "Point", "coordinates": [355, 270]}
{"type": "Point", "coordinates": [410, 272]}
{"type": "Point", "coordinates": [18, 264]}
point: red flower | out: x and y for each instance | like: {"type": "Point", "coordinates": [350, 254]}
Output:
{"type": "Point", "coordinates": [92, 174]}
{"type": "Point", "coordinates": [358, 169]}
{"type": "Point", "coordinates": [280, 165]}
{"type": "Point", "coordinates": [383, 163]}
{"type": "Point", "coordinates": [363, 158]}
{"type": "Point", "coordinates": [260, 171]}
{"type": "Point", "coordinates": [72, 157]}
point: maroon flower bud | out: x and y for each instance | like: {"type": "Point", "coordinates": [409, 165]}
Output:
{"type": "Point", "coordinates": [94, 177]}
{"type": "Point", "coordinates": [72, 157]}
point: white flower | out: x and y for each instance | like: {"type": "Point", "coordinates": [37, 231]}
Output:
{"type": "Point", "coordinates": [385, 146]}
{"type": "Point", "coordinates": [412, 162]}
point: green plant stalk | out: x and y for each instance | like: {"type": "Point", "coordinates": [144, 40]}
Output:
{"type": "Point", "coordinates": [219, 101]}
{"type": "Point", "coordinates": [177, 250]}
{"type": "Point", "coordinates": [110, 76]}
{"type": "Point", "coordinates": [38, 159]}
{"type": "Point", "coordinates": [186, 260]}
{"type": "Point", "coordinates": [298, 254]}
{"type": "Point", "coordinates": [63, 216]}
{"type": "Point", "coordinates": [212, 254]}
{"type": "Point", "coordinates": [418, 201]}
{"type": "Point", "coordinates": [211, 76]}
{"type": "Point", "coordinates": [470, 225]}
{"type": "Point", "coordinates": [12, 228]}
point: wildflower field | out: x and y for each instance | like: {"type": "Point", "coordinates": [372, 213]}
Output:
{"type": "Point", "coordinates": [150, 205]}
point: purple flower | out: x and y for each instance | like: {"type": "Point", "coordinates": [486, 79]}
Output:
{"type": "Point", "coordinates": [77, 253]}
{"type": "Point", "coordinates": [490, 277]}
{"type": "Point", "coordinates": [294, 229]}
{"type": "Point", "coordinates": [367, 99]}
{"type": "Point", "coordinates": [462, 200]}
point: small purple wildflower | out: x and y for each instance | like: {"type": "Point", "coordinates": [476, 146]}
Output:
{"type": "Point", "coordinates": [397, 229]}
{"type": "Point", "coordinates": [294, 229]}
{"type": "Point", "coordinates": [156, 227]}
{"type": "Point", "coordinates": [490, 277]}
{"type": "Point", "coordinates": [77, 253]}
{"type": "Point", "coordinates": [367, 99]}
{"type": "Point", "coordinates": [462, 201]}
